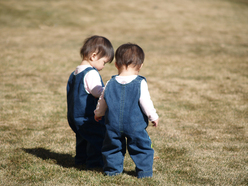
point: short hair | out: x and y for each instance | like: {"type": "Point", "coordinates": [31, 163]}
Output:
{"type": "Point", "coordinates": [129, 54]}
{"type": "Point", "coordinates": [98, 44]}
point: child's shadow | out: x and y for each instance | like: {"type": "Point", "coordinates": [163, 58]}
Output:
{"type": "Point", "coordinates": [130, 173]}
{"type": "Point", "coordinates": [64, 160]}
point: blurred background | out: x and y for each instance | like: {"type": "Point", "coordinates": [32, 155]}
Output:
{"type": "Point", "coordinates": [196, 66]}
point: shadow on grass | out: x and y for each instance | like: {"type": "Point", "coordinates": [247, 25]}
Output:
{"type": "Point", "coordinates": [130, 173]}
{"type": "Point", "coordinates": [64, 160]}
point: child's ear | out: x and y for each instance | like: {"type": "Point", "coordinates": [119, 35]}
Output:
{"type": "Point", "coordinates": [93, 57]}
{"type": "Point", "coordinates": [140, 66]}
{"type": "Point", "coordinates": [116, 66]}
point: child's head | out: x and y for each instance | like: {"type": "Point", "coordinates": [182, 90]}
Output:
{"type": "Point", "coordinates": [98, 45]}
{"type": "Point", "coordinates": [129, 54]}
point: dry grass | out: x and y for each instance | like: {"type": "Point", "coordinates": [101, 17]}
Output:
{"type": "Point", "coordinates": [197, 70]}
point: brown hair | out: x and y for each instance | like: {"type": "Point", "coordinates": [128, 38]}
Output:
{"type": "Point", "coordinates": [129, 54]}
{"type": "Point", "coordinates": [98, 44]}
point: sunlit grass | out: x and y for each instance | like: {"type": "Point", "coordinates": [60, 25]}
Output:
{"type": "Point", "coordinates": [196, 67]}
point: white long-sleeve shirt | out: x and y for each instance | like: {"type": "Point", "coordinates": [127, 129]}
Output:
{"type": "Point", "coordinates": [145, 101]}
{"type": "Point", "coordinates": [92, 81]}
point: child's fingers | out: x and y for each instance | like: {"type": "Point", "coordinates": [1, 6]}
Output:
{"type": "Point", "coordinates": [155, 124]}
{"type": "Point", "coordinates": [97, 118]}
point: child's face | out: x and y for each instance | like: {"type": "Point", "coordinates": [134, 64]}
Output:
{"type": "Point", "coordinates": [99, 63]}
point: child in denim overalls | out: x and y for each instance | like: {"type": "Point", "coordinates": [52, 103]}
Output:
{"type": "Point", "coordinates": [127, 107]}
{"type": "Point", "coordinates": [83, 90]}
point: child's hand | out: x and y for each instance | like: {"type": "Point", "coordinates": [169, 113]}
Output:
{"type": "Point", "coordinates": [98, 118]}
{"type": "Point", "coordinates": [155, 123]}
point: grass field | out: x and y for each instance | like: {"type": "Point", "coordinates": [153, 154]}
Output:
{"type": "Point", "coordinates": [196, 66]}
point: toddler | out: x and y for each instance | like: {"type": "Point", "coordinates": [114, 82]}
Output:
{"type": "Point", "coordinates": [127, 107]}
{"type": "Point", "coordinates": [84, 87]}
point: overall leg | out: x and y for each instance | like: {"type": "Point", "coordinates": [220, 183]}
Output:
{"type": "Point", "coordinates": [81, 150]}
{"type": "Point", "coordinates": [114, 149]}
{"type": "Point", "coordinates": [139, 148]}
{"type": "Point", "coordinates": [94, 135]}
{"type": "Point", "coordinates": [81, 144]}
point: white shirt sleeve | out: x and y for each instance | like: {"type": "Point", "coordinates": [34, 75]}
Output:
{"type": "Point", "coordinates": [101, 105]}
{"type": "Point", "coordinates": [93, 84]}
{"type": "Point", "coordinates": [146, 103]}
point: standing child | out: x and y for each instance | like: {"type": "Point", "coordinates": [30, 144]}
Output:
{"type": "Point", "coordinates": [83, 90]}
{"type": "Point", "coordinates": [128, 106]}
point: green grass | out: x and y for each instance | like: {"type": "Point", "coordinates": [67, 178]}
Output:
{"type": "Point", "coordinates": [196, 66]}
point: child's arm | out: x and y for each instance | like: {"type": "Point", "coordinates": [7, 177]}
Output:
{"type": "Point", "coordinates": [101, 107]}
{"type": "Point", "coordinates": [147, 104]}
{"type": "Point", "coordinates": [93, 84]}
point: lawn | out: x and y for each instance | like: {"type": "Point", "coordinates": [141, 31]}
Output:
{"type": "Point", "coordinates": [196, 67]}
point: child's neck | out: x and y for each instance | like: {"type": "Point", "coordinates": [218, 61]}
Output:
{"type": "Point", "coordinates": [128, 71]}
{"type": "Point", "coordinates": [85, 62]}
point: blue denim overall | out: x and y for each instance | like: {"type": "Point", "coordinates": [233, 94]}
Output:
{"type": "Point", "coordinates": [126, 127]}
{"type": "Point", "coordinates": [80, 115]}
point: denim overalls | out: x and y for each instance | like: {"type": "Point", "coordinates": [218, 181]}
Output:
{"type": "Point", "coordinates": [80, 115]}
{"type": "Point", "coordinates": [126, 126]}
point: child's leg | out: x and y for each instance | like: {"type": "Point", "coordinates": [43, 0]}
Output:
{"type": "Point", "coordinates": [81, 153]}
{"type": "Point", "coordinates": [95, 159]}
{"type": "Point", "coordinates": [139, 148]}
{"type": "Point", "coordinates": [94, 135]}
{"type": "Point", "coordinates": [114, 149]}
